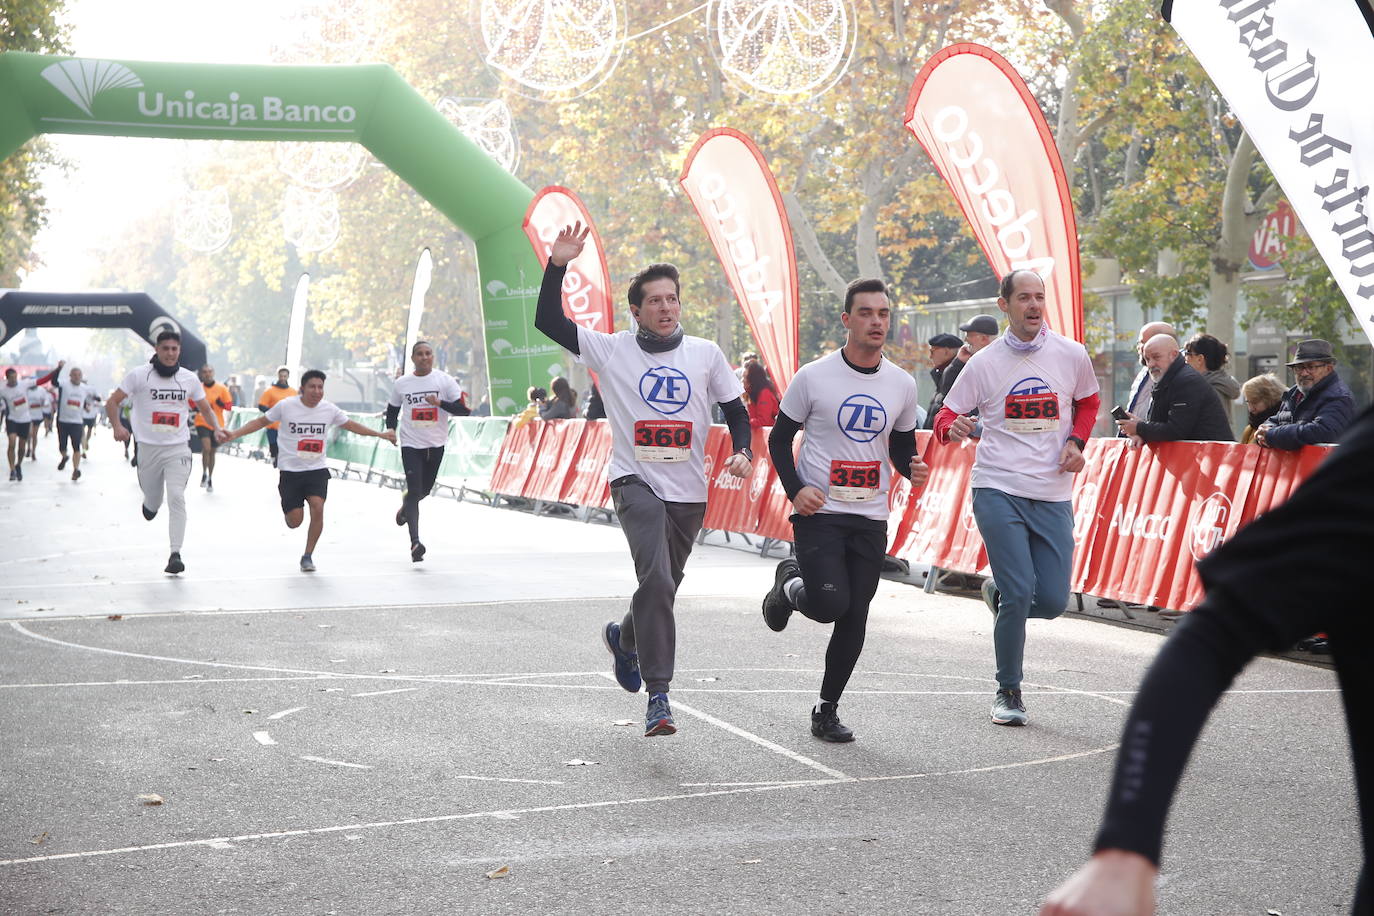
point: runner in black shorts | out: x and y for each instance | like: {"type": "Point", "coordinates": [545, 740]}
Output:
{"type": "Point", "coordinates": [304, 474]}
{"type": "Point", "coordinates": [1323, 533]}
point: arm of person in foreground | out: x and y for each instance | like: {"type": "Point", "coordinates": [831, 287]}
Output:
{"type": "Point", "coordinates": [1202, 656]}
{"type": "Point", "coordinates": [548, 310]}
{"type": "Point", "coordinates": [353, 426]}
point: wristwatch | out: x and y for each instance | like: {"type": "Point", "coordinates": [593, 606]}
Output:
{"type": "Point", "coordinates": [747, 452]}
{"type": "Point", "coordinates": [1079, 442]}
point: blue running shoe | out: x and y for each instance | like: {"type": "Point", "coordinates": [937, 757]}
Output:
{"type": "Point", "coordinates": [626, 665]}
{"type": "Point", "coordinates": [1007, 708]}
{"type": "Point", "coordinates": [659, 719]}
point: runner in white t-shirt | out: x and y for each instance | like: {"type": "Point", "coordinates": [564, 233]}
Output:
{"type": "Point", "coordinates": [18, 418]}
{"type": "Point", "coordinates": [89, 416]}
{"type": "Point", "coordinates": [74, 398]}
{"type": "Point", "coordinates": [1037, 397]}
{"type": "Point", "coordinates": [858, 412]}
{"type": "Point", "coordinates": [303, 471]}
{"type": "Point", "coordinates": [415, 403]}
{"type": "Point", "coordinates": [160, 394]}
{"type": "Point", "coordinates": [658, 386]}
{"type": "Point", "coordinates": [40, 414]}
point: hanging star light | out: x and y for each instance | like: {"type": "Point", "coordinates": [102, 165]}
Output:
{"type": "Point", "coordinates": [321, 165]}
{"type": "Point", "coordinates": [782, 48]}
{"type": "Point", "coordinates": [202, 220]}
{"type": "Point", "coordinates": [310, 218]}
{"type": "Point", "coordinates": [554, 47]}
{"type": "Point", "coordinates": [332, 32]}
{"type": "Point", "coordinates": [486, 122]}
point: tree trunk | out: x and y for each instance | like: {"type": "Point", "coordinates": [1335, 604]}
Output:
{"type": "Point", "coordinates": [1238, 223]}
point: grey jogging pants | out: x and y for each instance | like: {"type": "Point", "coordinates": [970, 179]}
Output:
{"type": "Point", "coordinates": [661, 536]}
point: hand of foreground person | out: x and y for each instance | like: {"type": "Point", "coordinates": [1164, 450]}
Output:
{"type": "Point", "coordinates": [808, 501]}
{"type": "Point", "coordinates": [920, 472]}
{"type": "Point", "coordinates": [1113, 883]}
{"type": "Point", "coordinates": [739, 466]}
{"type": "Point", "coordinates": [1071, 458]}
{"type": "Point", "coordinates": [961, 428]}
{"type": "Point", "coordinates": [569, 243]}
{"type": "Point", "coordinates": [121, 433]}
{"type": "Point", "coordinates": [389, 435]}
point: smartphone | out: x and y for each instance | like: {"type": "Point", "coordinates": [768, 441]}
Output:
{"type": "Point", "coordinates": [1119, 413]}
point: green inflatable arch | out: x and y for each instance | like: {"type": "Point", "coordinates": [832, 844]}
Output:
{"type": "Point", "coordinates": [370, 105]}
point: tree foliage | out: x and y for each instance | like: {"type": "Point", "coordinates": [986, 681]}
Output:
{"type": "Point", "coordinates": [26, 25]}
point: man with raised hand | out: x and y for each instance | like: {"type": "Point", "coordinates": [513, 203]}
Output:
{"type": "Point", "coordinates": [16, 394]}
{"type": "Point", "coordinates": [220, 401]}
{"type": "Point", "coordinates": [160, 395]}
{"type": "Point", "coordinates": [414, 404]}
{"type": "Point", "coordinates": [1037, 398]}
{"type": "Point", "coordinates": [303, 472]}
{"type": "Point", "coordinates": [658, 386]}
{"type": "Point", "coordinates": [74, 397]}
{"type": "Point", "coordinates": [858, 411]}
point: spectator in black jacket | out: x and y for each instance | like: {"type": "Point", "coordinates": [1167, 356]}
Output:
{"type": "Point", "coordinates": [1183, 404]}
{"type": "Point", "coordinates": [944, 348]}
{"type": "Point", "coordinates": [1317, 409]}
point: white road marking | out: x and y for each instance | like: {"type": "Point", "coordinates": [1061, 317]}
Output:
{"type": "Point", "coordinates": [378, 693]}
{"type": "Point", "coordinates": [284, 713]}
{"type": "Point", "coordinates": [537, 782]}
{"type": "Point", "coordinates": [264, 739]}
{"type": "Point", "coordinates": [335, 763]}
{"type": "Point", "coordinates": [541, 809]}
{"type": "Point", "coordinates": [760, 741]}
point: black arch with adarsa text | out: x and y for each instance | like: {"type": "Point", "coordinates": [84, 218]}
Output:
{"type": "Point", "coordinates": [20, 309]}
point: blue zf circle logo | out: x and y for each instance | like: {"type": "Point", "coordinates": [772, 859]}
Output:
{"type": "Point", "coordinates": [1030, 385]}
{"type": "Point", "coordinates": [665, 389]}
{"type": "Point", "coordinates": [861, 417]}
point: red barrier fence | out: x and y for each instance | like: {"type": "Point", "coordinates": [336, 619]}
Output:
{"type": "Point", "coordinates": [1142, 516]}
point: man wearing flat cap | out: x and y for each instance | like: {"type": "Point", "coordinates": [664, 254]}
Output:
{"type": "Point", "coordinates": [1317, 409]}
{"type": "Point", "coordinates": [943, 350]}
{"type": "Point", "coordinates": [979, 331]}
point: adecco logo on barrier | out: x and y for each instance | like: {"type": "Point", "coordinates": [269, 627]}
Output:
{"type": "Point", "coordinates": [758, 481]}
{"type": "Point", "coordinates": [1130, 522]}
{"type": "Point", "coordinates": [1208, 529]}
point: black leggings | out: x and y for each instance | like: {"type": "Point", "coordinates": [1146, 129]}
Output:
{"type": "Point", "coordinates": [841, 558]}
{"type": "Point", "coordinates": [421, 466]}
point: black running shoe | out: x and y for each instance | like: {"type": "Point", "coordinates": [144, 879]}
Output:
{"type": "Point", "coordinates": [826, 724]}
{"type": "Point", "coordinates": [19, 471]}
{"type": "Point", "coordinates": [776, 608]}
{"type": "Point", "coordinates": [417, 552]}
{"type": "Point", "coordinates": [1007, 708]}
{"type": "Point", "coordinates": [174, 564]}
{"type": "Point", "coordinates": [76, 474]}
{"type": "Point", "coordinates": [401, 517]}
{"type": "Point", "coordinates": [149, 514]}
{"type": "Point", "coordinates": [61, 465]}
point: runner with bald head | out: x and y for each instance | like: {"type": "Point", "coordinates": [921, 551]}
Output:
{"type": "Point", "coordinates": [1036, 394]}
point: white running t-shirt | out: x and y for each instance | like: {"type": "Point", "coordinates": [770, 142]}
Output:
{"type": "Point", "coordinates": [160, 404]}
{"type": "Point", "coordinates": [1025, 402]}
{"type": "Point", "coordinates": [18, 398]}
{"type": "Point", "coordinates": [846, 417]}
{"type": "Point", "coordinates": [419, 423]}
{"type": "Point", "coordinates": [72, 401]}
{"type": "Point", "coordinates": [304, 432]}
{"type": "Point", "coordinates": [659, 407]}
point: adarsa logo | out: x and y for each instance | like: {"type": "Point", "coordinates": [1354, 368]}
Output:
{"type": "Point", "coordinates": [77, 310]}
{"type": "Point", "coordinates": [750, 267]}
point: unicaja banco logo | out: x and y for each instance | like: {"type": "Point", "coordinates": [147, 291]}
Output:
{"type": "Point", "coordinates": [82, 80]}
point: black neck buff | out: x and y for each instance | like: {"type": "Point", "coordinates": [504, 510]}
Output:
{"type": "Point", "coordinates": [650, 342]}
{"type": "Point", "coordinates": [164, 371]}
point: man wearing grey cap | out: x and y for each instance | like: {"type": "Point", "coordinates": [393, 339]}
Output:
{"type": "Point", "coordinates": [979, 331]}
{"type": "Point", "coordinates": [944, 348]}
{"type": "Point", "coordinates": [1317, 409]}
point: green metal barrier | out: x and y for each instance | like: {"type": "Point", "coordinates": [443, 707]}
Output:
{"type": "Point", "coordinates": [238, 416]}
{"type": "Point", "coordinates": [356, 452]}
{"type": "Point", "coordinates": [474, 443]}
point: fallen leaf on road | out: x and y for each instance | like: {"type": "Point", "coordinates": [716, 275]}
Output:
{"type": "Point", "coordinates": [502, 872]}
{"type": "Point", "coordinates": [325, 626]}
{"type": "Point", "coordinates": [151, 799]}
{"type": "Point", "coordinates": [790, 655]}
{"type": "Point", "coordinates": [115, 617]}
{"type": "Point", "coordinates": [192, 677]}
{"type": "Point", "coordinates": [580, 763]}
{"type": "Point", "coordinates": [249, 712]}
{"type": "Point", "coordinates": [337, 660]}
{"type": "Point", "coordinates": [387, 671]}
{"type": "Point", "coordinates": [608, 861]}
{"type": "Point", "coordinates": [706, 680]}
{"type": "Point", "coordinates": [38, 840]}
{"type": "Point", "coordinates": [623, 722]}
{"type": "Point", "coordinates": [751, 862]}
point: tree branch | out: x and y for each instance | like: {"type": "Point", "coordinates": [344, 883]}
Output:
{"type": "Point", "coordinates": [804, 232]}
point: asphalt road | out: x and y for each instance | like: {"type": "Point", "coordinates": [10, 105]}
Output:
{"type": "Point", "coordinates": [378, 736]}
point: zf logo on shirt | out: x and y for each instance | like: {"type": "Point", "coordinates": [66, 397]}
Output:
{"type": "Point", "coordinates": [665, 389]}
{"type": "Point", "coordinates": [861, 417]}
